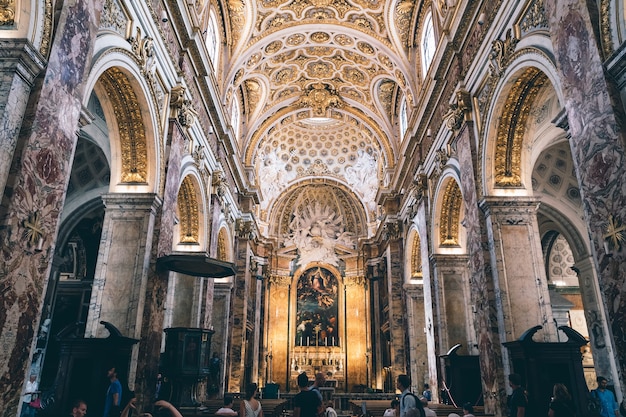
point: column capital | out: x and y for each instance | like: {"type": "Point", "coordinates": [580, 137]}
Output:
{"type": "Point", "coordinates": [123, 201]}
{"type": "Point", "coordinates": [21, 56]}
{"type": "Point", "coordinates": [511, 210]}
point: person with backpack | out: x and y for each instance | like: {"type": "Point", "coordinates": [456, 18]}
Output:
{"type": "Point", "coordinates": [608, 404]}
{"type": "Point", "coordinates": [408, 400]}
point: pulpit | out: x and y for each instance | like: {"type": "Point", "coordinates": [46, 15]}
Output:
{"type": "Point", "coordinates": [186, 362]}
{"type": "Point", "coordinates": [541, 365]}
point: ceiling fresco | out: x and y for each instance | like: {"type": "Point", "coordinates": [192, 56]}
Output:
{"type": "Point", "coordinates": [320, 83]}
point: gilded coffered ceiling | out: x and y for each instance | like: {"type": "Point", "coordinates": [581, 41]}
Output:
{"type": "Point", "coordinates": [320, 83]}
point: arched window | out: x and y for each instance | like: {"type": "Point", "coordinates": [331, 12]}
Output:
{"type": "Point", "coordinates": [428, 43]}
{"type": "Point", "coordinates": [212, 41]}
{"type": "Point", "coordinates": [235, 118]}
{"type": "Point", "coordinates": [403, 118]}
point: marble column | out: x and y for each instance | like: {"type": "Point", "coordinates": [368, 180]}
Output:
{"type": "Point", "coordinates": [155, 289]}
{"type": "Point", "coordinates": [20, 63]}
{"type": "Point", "coordinates": [416, 326]}
{"type": "Point", "coordinates": [239, 313]}
{"type": "Point", "coordinates": [29, 217]}
{"type": "Point", "coordinates": [454, 316]}
{"type": "Point", "coordinates": [356, 332]}
{"type": "Point", "coordinates": [397, 308]}
{"type": "Point", "coordinates": [595, 315]}
{"type": "Point", "coordinates": [123, 259]}
{"type": "Point", "coordinates": [280, 336]}
{"type": "Point", "coordinates": [483, 295]}
{"type": "Point", "coordinates": [517, 258]}
{"type": "Point", "coordinates": [597, 139]}
{"type": "Point", "coordinates": [221, 313]}
{"type": "Point", "coordinates": [421, 220]}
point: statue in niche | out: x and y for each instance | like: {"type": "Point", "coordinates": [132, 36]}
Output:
{"type": "Point", "coordinates": [317, 310]}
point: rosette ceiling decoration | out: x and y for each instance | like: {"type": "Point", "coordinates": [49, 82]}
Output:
{"type": "Point", "coordinates": [321, 85]}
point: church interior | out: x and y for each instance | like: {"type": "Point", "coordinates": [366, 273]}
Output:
{"type": "Point", "coordinates": [361, 188]}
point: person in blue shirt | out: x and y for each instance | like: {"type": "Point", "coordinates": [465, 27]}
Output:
{"type": "Point", "coordinates": [608, 404]}
{"type": "Point", "coordinates": [113, 398]}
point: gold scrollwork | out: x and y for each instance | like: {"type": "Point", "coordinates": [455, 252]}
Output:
{"type": "Point", "coordinates": [7, 12]}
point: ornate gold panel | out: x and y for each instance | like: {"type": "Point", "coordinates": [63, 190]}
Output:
{"type": "Point", "coordinates": [130, 126]}
{"type": "Point", "coordinates": [416, 258]}
{"type": "Point", "coordinates": [188, 212]}
{"type": "Point", "coordinates": [222, 241]}
{"type": "Point", "coordinates": [7, 12]}
{"type": "Point", "coordinates": [512, 126]}
{"type": "Point", "coordinates": [450, 210]}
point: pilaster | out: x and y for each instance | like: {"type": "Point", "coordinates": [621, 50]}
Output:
{"type": "Point", "coordinates": [219, 344]}
{"type": "Point", "coordinates": [416, 329]}
{"type": "Point", "coordinates": [20, 63]}
{"type": "Point", "coordinates": [397, 308]}
{"type": "Point", "coordinates": [517, 261]}
{"type": "Point", "coordinates": [453, 304]}
{"type": "Point", "coordinates": [123, 259]}
{"type": "Point", "coordinates": [239, 314]}
{"type": "Point", "coordinates": [483, 296]}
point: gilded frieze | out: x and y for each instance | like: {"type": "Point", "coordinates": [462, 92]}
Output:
{"type": "Point", "coordinates": [222, 242]}
{"type": "Point", "coordinates": [512, 125]}
{"type": "Point", "coordinates": [188, 212]}
{"type": "Point", "coordinates": [403, 17]}
{"type": "Point", "coordinates": [115, 17]}
{"type": "Point", "coordinates": [355, 281]}
{"type": "Point", "coordinates": [534, 18]}
{"type": "Point", "coordinates": [280, 280]}
{"type": "Point", "coordinates": [7, 12]}
{"type": "Point", "coordinates": [46, 37]}
{"type": "Point", "coordinates": [450, 211]}
{"type": "Point", "coordinates": [131, 130]}
{"type": "Point", "coordinates": [605, 28]}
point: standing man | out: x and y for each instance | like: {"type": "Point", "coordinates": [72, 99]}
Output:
{"type": "Point", "coordinates": [608, 404]}
{"type": "Point", "coordinates": [113, 400]}
{"type": "Point", "coordinates": [30, 392]}
{"type": "Point", "coordinates": [320, 380]}
{"type": "Point", "coordinates": [306, 403]}
{"type": "Point", "coordinates": [407, 399]}
{"type": "Point", "coordinates": [518, 402]}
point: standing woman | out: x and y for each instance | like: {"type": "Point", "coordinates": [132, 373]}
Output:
{"type": "Point", "coordinates": [250, 406]}
{"type": "Point", "coordinates": [561, 404]}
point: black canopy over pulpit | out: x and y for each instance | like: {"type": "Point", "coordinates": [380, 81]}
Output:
{"type": "Point", "coordinates": [541, 365]}
{"type": "Point", "coordinates": [462, 374]}
{"type": "Point", "coordinates": [83, 366]}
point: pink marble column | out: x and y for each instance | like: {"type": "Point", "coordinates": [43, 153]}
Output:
{"type": "Point", "coordinates": [483, 291]}
{"type": "Point", "coordinates": [30, 216]}
{"type": "Point", "coordinates": [598, 150]}
{"type": "Point", "coordinates": [156, 288]}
